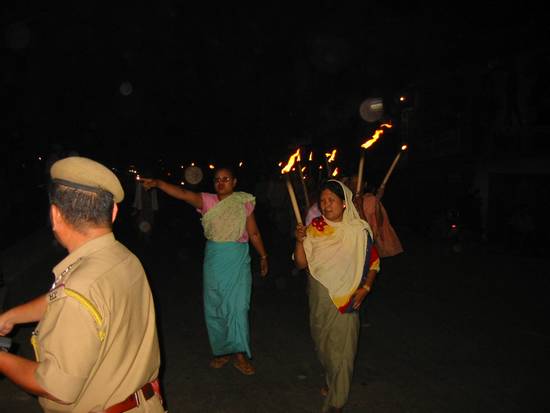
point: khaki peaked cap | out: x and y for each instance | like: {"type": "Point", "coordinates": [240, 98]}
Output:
{"type": "Point", "coordinates": [86, 174]}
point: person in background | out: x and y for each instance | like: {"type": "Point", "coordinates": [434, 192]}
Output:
{"type": "Point", "coordinates": [229, 224]}
{"type": "Point", "coordinates": [313, 211]}
{"type": "Point", "coordinates": [386, 239]}
{"type": "Point", "coordinates": [371, 209]}
{"type": "Point", "coordinates": [338, 252]}
{"type": "Point", "coordinates": [145, 208]}
{"type": "Point", "coordinates": [96, 343]}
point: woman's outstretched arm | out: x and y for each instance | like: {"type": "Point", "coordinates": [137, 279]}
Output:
{"type": "Point", "coordinates": [192, 198]}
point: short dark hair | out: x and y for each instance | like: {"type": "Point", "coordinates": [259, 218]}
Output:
{"type": "Point", "coordinates": [334, 187]}
{"type": "Point", "coordinates": [82, 209]}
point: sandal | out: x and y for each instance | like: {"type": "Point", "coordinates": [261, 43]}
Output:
{"type": "Point", "coordinates": [244, 367]}
{"type": "Point", "coordinates": [219, 362]}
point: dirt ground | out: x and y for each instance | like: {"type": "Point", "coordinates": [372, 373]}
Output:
{"type": "Point", "coordinates": [445, 332]}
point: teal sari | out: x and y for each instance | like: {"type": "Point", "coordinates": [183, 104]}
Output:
{"type": "Point", "coordinates": [227, 286]}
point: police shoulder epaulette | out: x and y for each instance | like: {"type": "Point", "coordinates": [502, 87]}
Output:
{"type": "Point", "coordinates": [62, 277]}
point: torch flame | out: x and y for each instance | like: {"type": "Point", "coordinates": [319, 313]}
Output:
{"type": "Point", "coordinates": [331, 156]}
{"type": "Point", "coordinates": [290, 162]}
{"type": "Point", "coordinates": [376, 135]}
{"type": "Point", "coordinates": [336, 172]}
{"type": "Point", "coordinates": [404, 147]}
{"type": "Point", "coordinates": [311, 156]}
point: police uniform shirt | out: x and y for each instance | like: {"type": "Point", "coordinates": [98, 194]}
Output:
{"type": "Point", "coordinates": [97, 341]}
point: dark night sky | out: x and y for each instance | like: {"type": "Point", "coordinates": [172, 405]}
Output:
{"type": "Point", "coordinates": [231, 79]}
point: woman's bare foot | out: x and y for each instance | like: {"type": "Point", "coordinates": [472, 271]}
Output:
{"type": "Point", "coordinates": [242, 364]}
{"type": "Point", "coordinates": [219, 362]}
{"type": "Point", "coordinates": [324, 391]}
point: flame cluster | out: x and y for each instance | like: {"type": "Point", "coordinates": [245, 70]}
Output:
{"type": "Point", "coordinates": [293, 158]}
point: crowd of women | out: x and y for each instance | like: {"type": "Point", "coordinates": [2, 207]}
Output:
{"type": "Point", "coordinates": [339, 249]}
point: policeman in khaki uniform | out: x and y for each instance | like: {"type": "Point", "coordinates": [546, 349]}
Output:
{"type": "Point", "coordinates": [96, 342]}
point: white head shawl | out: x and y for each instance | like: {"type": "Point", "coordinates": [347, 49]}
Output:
{"type": "Point", "coordinates": [336, 254]}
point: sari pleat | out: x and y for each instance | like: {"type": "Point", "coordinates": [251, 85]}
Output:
{"type": "Point", "coordinates": [226, 289]}
{"type": "Point", "coordinates": [335, 338]}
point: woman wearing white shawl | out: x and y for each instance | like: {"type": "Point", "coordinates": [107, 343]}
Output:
{"type": "Point", "coordinates": [337, 249]}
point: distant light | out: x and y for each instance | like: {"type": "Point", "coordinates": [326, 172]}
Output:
{"type": "Point", "coordinates": [126, 88]}
{"type": "Point", "coordinates": [372, 109]}
{"type": "Point", "coordinates": [404, 147]}
{"type": "Point", "coordinates": [181, 166]}
{"type": "Point", "coordinates": [168, 173]}
{"type": "Point", "coordinates": [39, 158]}
{"type": "Point", "coordinates": [192, 163]}
{"type": "Point", "coordinates": [240, 164]}
{"type": "Point", "coordinates": [182, 183]}
{"type": "Point", "coordinates": [211, 166]}
{"type": "Point", "coordinates": [280, 164]}
{"type": "Point", "coordinates": [402, 98]}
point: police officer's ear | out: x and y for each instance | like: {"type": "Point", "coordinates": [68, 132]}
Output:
{"type": "Point", "coordinates": [55, 216]}
{"type": "Point", "coordinates": [115, 212]}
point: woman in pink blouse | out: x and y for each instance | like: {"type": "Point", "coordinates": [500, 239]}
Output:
{"type": "Point", "coordinates": [229, 224]}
